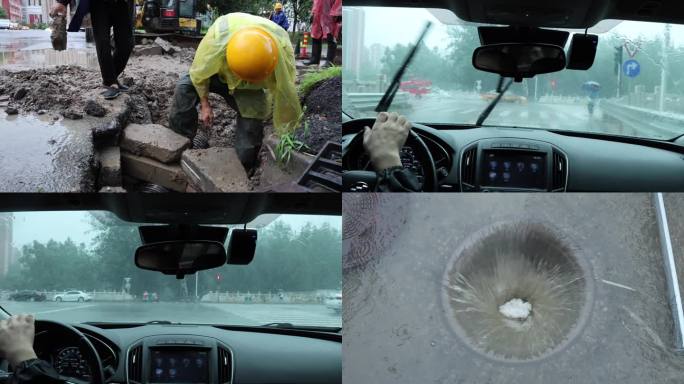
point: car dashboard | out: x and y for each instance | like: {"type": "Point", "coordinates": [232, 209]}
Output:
{"type": "Point", "coordinates": [492, 159]}
{"type": "Point", "coordinates": [176, 353]}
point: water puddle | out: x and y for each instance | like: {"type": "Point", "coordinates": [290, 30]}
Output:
{"type": "Point", "coordinates": [40, 154]}
{"type": "Point", "coordinates": [516, 292]}
{"type": "Point", "coordinates": [32, 49]}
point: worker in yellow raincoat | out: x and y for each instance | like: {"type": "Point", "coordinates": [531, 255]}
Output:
{"type": "Point", "coordinates": [249, 61]}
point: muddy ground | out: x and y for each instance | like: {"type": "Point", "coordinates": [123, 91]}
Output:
{"type": "Point", "coordinates": [152, 79]}
{"type": "Point", "coordinates": [65, 92]}
{"type": "Point", "coordinates": [323, 115]}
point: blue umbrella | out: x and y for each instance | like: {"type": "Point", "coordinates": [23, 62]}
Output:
{"type": "Point", "coordinates": [591, 86]}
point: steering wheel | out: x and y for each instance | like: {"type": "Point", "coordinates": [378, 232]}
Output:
{"type": "Point", "coordinates": [86, 347]}
{"type": "Point", "coordinates": [355, 177]}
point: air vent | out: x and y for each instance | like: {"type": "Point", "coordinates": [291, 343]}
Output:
{"type": "Point", "coordinates": [225, 365]}
{"type": "Point", "coordinates": [135, 365]}
{"type": "Point", "coordinates": [468, 167]}
{"type": "Point", "coordinates": [560, 171]}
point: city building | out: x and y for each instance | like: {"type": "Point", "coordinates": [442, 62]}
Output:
{"type": "Point", "coordinates": [7, 252]}
{"type": "Point", "coordinates": [353, 36]}
{"type": "Point", "coordinates": [13, 9]}
{"type": "Point", "coordinates": [32, 11]}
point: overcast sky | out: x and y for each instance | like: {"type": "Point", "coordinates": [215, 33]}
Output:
{"type": "Point", "coordinates": [389, 26]}
{"type": "Point", "coordinates": [43, 226]}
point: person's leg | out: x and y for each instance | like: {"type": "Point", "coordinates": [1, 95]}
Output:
{"type": "Point", "coordinates": [316, 48]}
{"type": "Point", "coordinates": [332, 51]}
{"type": "Point", "coordinates": [183, 115]}
{"type": "Point", "coordinates": [100, 17]}
{"type": "Point", "coordinates": [249, 133]}
{"type": "Point", "coordinates": [123, 34]}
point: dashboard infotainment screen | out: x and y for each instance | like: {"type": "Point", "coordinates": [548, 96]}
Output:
{"type": "Point", "coordinates": [514, 170]}
{"type": "Point", "coordinates": [179, 366]}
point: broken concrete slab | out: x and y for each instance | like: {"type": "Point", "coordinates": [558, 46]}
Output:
{"type": "Point", "coordinates": [276, 177]}
{"type": "Point", "coordinates": [154, 141]}
{"type": "Point", "coordinates": [109, 189]}
{"type": "Point", "coordinates": [215, 170]}
{"type": "Point", "coordinates": [166, 46]}
{"type": "Point", "coordinates": [118, 110]}
{"type": "Point", "coordinates": [11, 111]}
{"type": "Point", "coordinates": [147, 50]}
{"type": "Point", "coordinates": [110, 166]}
{"type": "Point", "coordinates": [153, 171]}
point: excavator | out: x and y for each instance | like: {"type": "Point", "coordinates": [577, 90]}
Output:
{"type": "Point", "coordinates": [167, 16]}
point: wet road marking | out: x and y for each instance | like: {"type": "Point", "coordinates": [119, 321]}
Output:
{"type": "Point", "coordinates": [618, 285]}
{"type": "Point", "coordinates": [65, 309]}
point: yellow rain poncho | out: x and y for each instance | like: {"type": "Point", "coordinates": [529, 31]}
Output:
{"type": "Point", "coordinates": [210, 59]}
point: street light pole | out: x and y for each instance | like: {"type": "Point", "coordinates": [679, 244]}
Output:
{"type": "Point", "coordinates": [663, 68]}
{"type": "Point", "coordinates": [196, 283]}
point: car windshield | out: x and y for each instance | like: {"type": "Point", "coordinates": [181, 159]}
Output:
{"type": "Point", "coordinates": [79, 267]}
{"type": "Point", "coordinates": [634, 88]}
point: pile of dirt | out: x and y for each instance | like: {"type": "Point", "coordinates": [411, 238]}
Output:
{"type": "Point", "coordinates": [151, 81]}
{"type": "Point", "coordinates": [323, 115]}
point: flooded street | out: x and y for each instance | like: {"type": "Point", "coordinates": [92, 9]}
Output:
{"type": "Point", "coordinates": [32, 49]}
{"type": "Point", "coordinates": [45, 152]}
{"type": "Point", "coordinates": [588, 265]}
{"type": "Point", "coordinates": [46, 155]}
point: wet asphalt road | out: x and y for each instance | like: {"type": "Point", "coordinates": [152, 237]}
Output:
{"type": "Point", "coordinates": [397, 330]}
{"type": "Point", "coordinates": [234, 314]}
{"type": "Point", "coordinates": [564, 116]}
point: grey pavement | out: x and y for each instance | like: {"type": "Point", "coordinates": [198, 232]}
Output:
{"type": "Point", "coordinates": [204, 313]}
{"type": "Point", "coordinates": [398, 331]}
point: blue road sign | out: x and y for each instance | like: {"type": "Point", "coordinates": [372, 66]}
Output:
{"type": "Point", "coordinates": [631, 68]}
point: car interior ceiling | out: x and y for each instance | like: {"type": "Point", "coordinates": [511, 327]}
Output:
{"type": "Point", "coordinates": [541, 13]}
{"type": "Point", "coordinates": [234, 208]}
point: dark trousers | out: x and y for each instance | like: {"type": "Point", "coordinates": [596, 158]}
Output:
{"type": "Point", "coordinates": [116, 15]}
{"type": "Point", "coordinates": [183, 117]}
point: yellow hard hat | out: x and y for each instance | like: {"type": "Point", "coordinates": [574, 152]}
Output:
{"type": "Point", "coordinates": [252, 54]}
{"type": "Point", "coordinates": [278, 6]}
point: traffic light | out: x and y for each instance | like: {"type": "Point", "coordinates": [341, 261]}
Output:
{"type": "Point", "coordinates": [618, 59]}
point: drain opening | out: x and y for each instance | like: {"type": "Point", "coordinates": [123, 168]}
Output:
{"type": "Point", "coordinates": [517, 292]}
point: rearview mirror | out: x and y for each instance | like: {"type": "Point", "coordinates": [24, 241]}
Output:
{"type": "Point", "coordinates": [519, 60]}
{"type": "Point", "coordinates": [180, 257]}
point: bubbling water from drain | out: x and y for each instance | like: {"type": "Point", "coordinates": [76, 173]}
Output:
{"type": "Point", "coordinates": [516, 293]}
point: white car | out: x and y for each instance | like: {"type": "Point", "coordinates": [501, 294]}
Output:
{"type": "Point", "coordinates": [5, 24]}
{"type": "Point", "coordinates": [79, 296]}
{"type": "Point", "coordinates": [334, 302]}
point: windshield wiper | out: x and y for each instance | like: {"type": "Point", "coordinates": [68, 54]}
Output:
{"type": "Point", "coordinates": [387, 98]}
{"type": "Point", "coordinates": [491, 105]}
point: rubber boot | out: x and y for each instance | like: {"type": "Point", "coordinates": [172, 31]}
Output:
{"type": "Point", "coordinates": [248, 137]}
{"type": "Point", "coordinates": [316, 48]}
{"type": "Point", "coordinates": [332, 51]}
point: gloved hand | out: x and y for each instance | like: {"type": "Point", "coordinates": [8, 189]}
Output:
{"type": "Point", "coordinates": [383, 143]}
{"type": "Point", "coordinates": [16, 339]}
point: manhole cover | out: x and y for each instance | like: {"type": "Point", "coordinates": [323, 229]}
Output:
{"type": "Point", "coordinates": [517, 291]}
